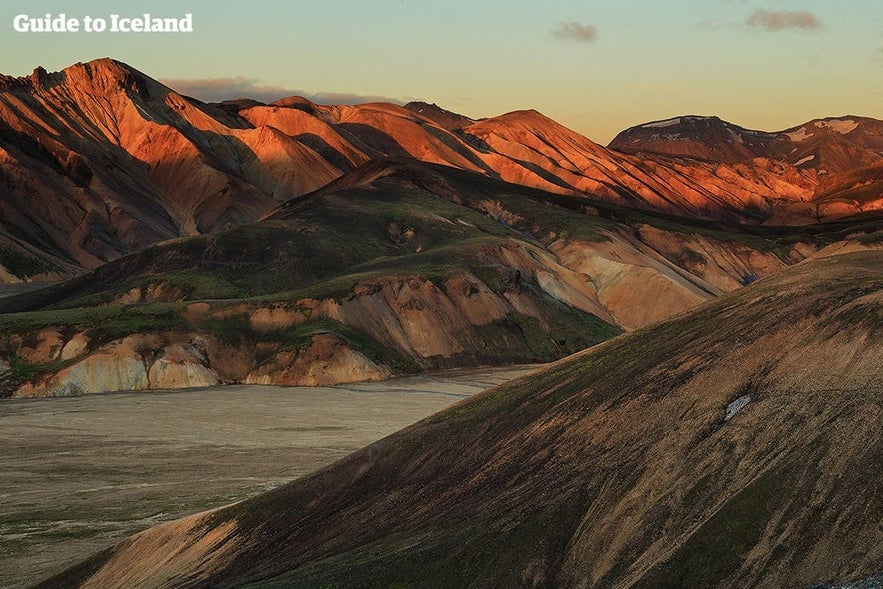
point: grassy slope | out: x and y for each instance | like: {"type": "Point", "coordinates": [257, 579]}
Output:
{"type": "Point", "coordinates": [616, 466]}
{"type": "Point", "coordinates": [423, 220]}
{"type": "Point", "coordinates": [330, 235]}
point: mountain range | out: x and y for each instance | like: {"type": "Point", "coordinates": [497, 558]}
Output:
{"type": "Point", "coordinates": [708, 298]}
{"type": "Point", "coordinates": [193, 244]}
{"type": "Point", "coordinates": [99, 160]}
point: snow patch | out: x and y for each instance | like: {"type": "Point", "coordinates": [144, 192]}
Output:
{"type": "Point", "coordinates": [808, 158]}
{"type": "Point", "coordinates": [660, 124]}
{"type": "Point", "coordinates": [843, 127]}
{"type": "Point", "coordinates": [798, 135]}
{"type": "Point", "coordinates": [736, 406]}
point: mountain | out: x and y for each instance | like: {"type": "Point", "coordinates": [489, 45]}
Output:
{"type": "Point", "coordinates": [99, 160]}
{"type": "Point", "coordinates": [704, 138]}
{"type": "Point", "coordinates": [365, 233]}
{"type": "Point", "coordinates": [444, 118]}
{"type": "Point", "coordinates": [834, 144]}
{"type": "Point", "coordinates": [841, 157]}
{"type": "Point", "coordinates": [736, 445]}
{"type": "Point", "coordinates": [395, 266]}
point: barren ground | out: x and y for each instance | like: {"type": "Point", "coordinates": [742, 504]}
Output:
{"type": "Point", "coordinates": [81, 473]}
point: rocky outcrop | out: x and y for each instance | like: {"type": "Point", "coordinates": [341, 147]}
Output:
{"type": "Point", "coordinates": [326, 360]}
{"type": "Point", "coordinates": [135, 363]}
{"type": "Point", "coordinates": [381, 327]}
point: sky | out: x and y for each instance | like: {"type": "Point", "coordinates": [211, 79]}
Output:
{"type": "Point", "coordinates": [596, 66]}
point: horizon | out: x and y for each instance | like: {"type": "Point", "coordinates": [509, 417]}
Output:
{"type": "Point", "coordinates": [597, 69]}
{"type": "Point", "coordinates": [327, 99]}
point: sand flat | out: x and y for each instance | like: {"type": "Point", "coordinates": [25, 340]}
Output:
{"type": "Point", "coordinates": [81, 473]}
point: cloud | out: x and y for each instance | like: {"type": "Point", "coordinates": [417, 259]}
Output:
{"type": "Point", "coordinates": [783, 20]}
{"type": "Point", "coordinates": [218, 89]}
{"type": "Point", "coordinates": [574, 31]}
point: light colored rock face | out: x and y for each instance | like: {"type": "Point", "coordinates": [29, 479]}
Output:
{"type": "Point", "coordinates": [181, 367]}
{"type": "Point", "coordinates": [326, 360]}
{"type": "Point", "coordinates": [275, 318]}
{"type": "Point", "coordinates": [621, 282]}
{"type": "Point", "coordinates": [114, 368]}
{"type": "Point", "coordinates": [477, 303]}
{"type": "Point", "coordinates": [48, 348]}
{"type": "Point", "coordinates": [412, 315]}
{"type": "Point", "coordinates": [75, 346]}
{"type": "Point", "coordinates": [135, 363]}
{"type": "Point", "coordinates": [726, 265]}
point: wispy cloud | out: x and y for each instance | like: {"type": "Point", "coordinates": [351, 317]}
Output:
{"type": "Point", "coordinates": [574, 31]}
{"type": "Point", "coordinates": [218, 89]}
{"type": "Point", "coordinates": [775, 21]}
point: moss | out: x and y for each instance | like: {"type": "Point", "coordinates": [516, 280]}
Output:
{"type": "Point", "coordinates": [719, 547]}
{"type": "Point", "coordinates": [21, 371]}
{"type": "Point", "coordinates": [105, 323]}
{"type": "Point", "coordinates": [138, 319]}
{"type": "Point", "coordinates": [23, 266]}
{"type": "Point", "coordinates": [871, 238]}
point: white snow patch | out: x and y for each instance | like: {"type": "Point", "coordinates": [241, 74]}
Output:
{"type": "Point", "coordinates": [736, 406]}
{"type": "Point", "coordinates": [665, 123]}
{"type": "Point", "coordinates": [808, 158]}
{"type": "Point", "coordinates": [798, 135]}
{"type": "Point", "coordinates": [843, 127]}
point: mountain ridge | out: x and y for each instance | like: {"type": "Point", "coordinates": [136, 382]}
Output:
{"type": "Point", "coordinates": [144, 164]}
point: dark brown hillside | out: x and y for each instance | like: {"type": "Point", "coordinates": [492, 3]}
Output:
{"type": "Point", "coordinates": [737, 445]}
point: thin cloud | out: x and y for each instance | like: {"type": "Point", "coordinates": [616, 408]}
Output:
{"type": "Point", "coordinates": [574, 31]}
{"type": "Point", "coordinates": [218, 89]}
{"type": "Point", "coordinates": [775, 21]}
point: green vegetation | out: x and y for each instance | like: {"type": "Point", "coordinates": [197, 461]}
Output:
{"type": "Point", "coordinates": [717, 549]}
{"type": "Point", "coordinates": [20, 371]}
{"type": "Point", "coordinates": [108, 323]}
{"type": "Point", "coordinates": [23, 266]}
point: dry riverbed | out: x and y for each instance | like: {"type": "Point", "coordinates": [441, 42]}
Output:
{"type": "Point", "coordinates": [80, 473]}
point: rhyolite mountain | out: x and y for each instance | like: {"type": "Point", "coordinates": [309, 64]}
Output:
{"type": "Point", "coordinates": [394, 267]}
{"type": "Point", "coordinates": [99, 160]}
{"type": "Point", "coordinates": [737, 445]}
{"type": "Point", "coordinates": [297, 243]}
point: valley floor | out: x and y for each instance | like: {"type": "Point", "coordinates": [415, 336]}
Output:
{"type": "Point", "coordinates": [82, 473]}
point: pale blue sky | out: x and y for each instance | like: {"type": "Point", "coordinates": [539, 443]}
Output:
{"type": "Point", "coordinates": [648, 59]}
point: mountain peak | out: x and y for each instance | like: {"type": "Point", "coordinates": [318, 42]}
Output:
{"type": "Point", "coordinates": [843, 125]}
{"type": "Point", "coordinates": [107, 73]}
{"type": "Point", "coordinates": [694, 136]}
{"type": "Point", "coordinates": [443, 118]}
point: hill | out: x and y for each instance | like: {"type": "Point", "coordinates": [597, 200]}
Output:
{"type": "Point", "coordinates": [736, 445]}
{"type": "Point", "coordinates": [396, 266]}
